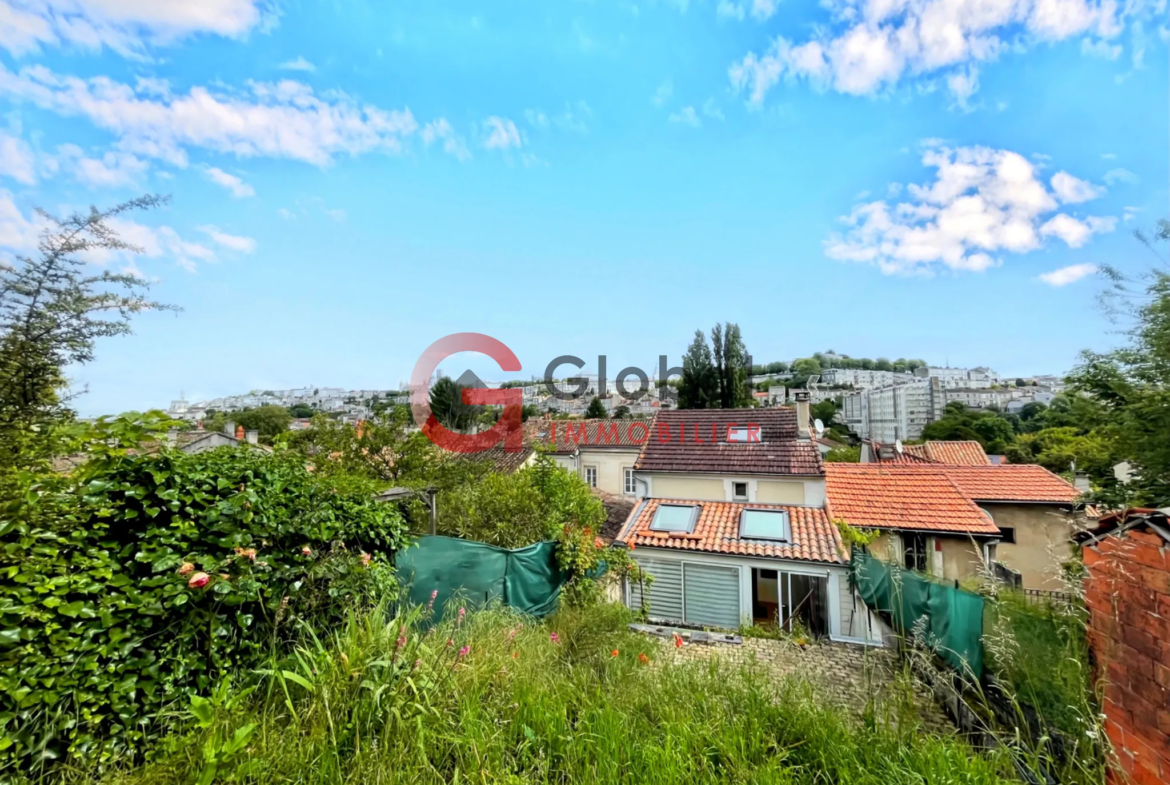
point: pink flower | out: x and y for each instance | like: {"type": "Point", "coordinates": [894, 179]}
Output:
{"type": "Point", "coordinates": [463, 651]}
{"type": "Point", "coordinates": [186, 568]}
{"type": "Point", "coordinates": [553, 637]}
{"type": "Point", "coordinates": [247, 553]}
{"type": "Point", "coordinates": [416, 664]}
{"type": "Point", "coordinates": [306, 550]}
{"type": "Point", "coordinates": [431, 604]}
{"type": "Point", "coordinates": [366, 559]}
{"type": "Point", "coordinates": [462, 613]}
{"type": "Point", "coordinates": [401, 641]}
{"type": "Point", "coordinates": [450, 642]}
{"type": "Point", "coordinates": [199, 580]}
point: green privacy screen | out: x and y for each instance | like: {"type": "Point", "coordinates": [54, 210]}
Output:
{"type": "Point", "coordinates": [949, 620]}
{"type": "Point", "coordinates": [527, 579]}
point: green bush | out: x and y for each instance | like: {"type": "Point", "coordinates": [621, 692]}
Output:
{"type": "Point", "coordinates": [140, 579]}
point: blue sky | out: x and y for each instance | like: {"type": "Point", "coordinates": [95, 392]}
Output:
{"type": "Point", "coordinates": [350, 182]}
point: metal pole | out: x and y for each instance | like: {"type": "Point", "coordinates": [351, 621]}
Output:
{"type": "Point", "coordinates": [431, 495]}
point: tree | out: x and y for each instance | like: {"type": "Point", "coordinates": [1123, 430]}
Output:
{"type": "Point", "coordinates": [731, 358]}
{"type": "Point", "coordinates": [621, 412]}
{"type": "Point", "coordinates": [270, 420]}
{"type": "Point", "coordinates": [698, 388]}
{"type": "Point", "coordinates": [448, 407]}
{"type": "Point", "coordinates": [52, 310]}
{"type": "Point", "coordinates": [843, 455]}
{"type": "Point", "coordinates": [302, 411]}
{"type": "Point", "coordinates": [806, 367]}
{"type": "Point", "coordinates": [596, 409]}
{"type": "Point", "coordinates": [1132, 384]}
{"type": "Point", "coordinates": [824, 411]}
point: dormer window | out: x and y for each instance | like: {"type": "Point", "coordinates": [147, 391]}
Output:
{"type": "Point", "coordinates": [765, 525]}
{"type": "Point", "coordinates": [675, 518]}
{"type": "Point", "coordinates": [743, 433]}
{"type": "Point", "coordinates": [739, 491]}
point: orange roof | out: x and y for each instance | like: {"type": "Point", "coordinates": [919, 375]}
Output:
{"type": "Point", "coordinates": [871, 495]}
{"type": "Point", "coordinates": [1012, 482]}
{"type": "Point", "coordinates": [814, 537]}
{"type": "Point", "coordinates": [960, 453]}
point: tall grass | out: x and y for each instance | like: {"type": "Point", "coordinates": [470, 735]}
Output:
{"type": "Point", "coordinates": [495, 698]}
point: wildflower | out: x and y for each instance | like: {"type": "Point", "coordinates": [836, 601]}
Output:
{"type": "Point", "coordinates": [186, 568]}
{"type": "Point", "coordinates": [462, 613]}
{"type": "Point", "coordinates": [416, 664]}
{"type": "Point", "coordinates": [431, 604]}
{"type": "Point", "coordinates": [678, 641]}
{"type": "Point", "coordinates": [613, 653]}
{"type": "Point", "coordinates": [366, 559]}
{"type": "Point", "coordinates": [642, 658]}
{"type": "Point", "coordinates": [398, 644]}
{"type": "Point", "coordinates": [515, 654]}
{"type": "Point", "coordinates": [199, 580]}
{"type": "Point", "coordinates": [450, 642]}
{"type": "Point", "coordinates": [247, 553]}
{"type": "Point", "coordinates": [598, 543]}
{"type": "Point", "coordinates": [306, 550]}
{"type": "Point", "coordinates": [463, 651]}
{"type": "Point", "coordinates": [512, 635]}
{"type": "Point", "coordinates": [553, 637]}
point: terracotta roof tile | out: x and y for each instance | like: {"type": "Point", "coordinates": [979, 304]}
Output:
{"type": "Point", "coordinates": [870, 495]}
{"type": "Point", "coordinates": [814, 537]}
{"type": "Point", "coordinates": [565, 436]}
{"type": "Point", "coordinates": [967, 453]}
{"type": "Point", "coordinates": [681, 441]}
{"type": "Point", "coordinates": [1012, 482]}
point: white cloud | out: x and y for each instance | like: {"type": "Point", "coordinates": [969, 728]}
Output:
{"type": "Point", "coordinates": [869, 46]}
{"type": "Point", "coordinates": [1066, 275]}
{"type": "Point", "coordinates": [441, 130]}
{"type": "Point", "coordinates": [663, 93]}
{"type": "Point", "coordinates": [764, 9]}
{"type": "Point", "coordinates": [1119, 175]}
{"type": "Point", "coordinates": [113, 170]}
{"type": "Point", "coordinates": [980, 203]}
{"type": "Point", "coordinates": [18, 234]}
{"type": "Point", "coordinates": [575, 119]}
{"type": "Point", "coordinates": [279, 120]}
{"type": "Point", "coordinates": [686, 116]}
{"type": "Point", "coordinates": [711, 109]}
{"type": "Point", "coordinates": [1072, 190]}
{"type": "Point", "coordinates": [500, 134]}
{"type": "Point", "coordinates": [1075, 232]}
{"type": "Point", "coordinates": [230, 241]}
{"type": "Point", "coordinates": [729, 10]}
{"type": "Point", "coordinates": [17, 160]}
{"type": "Point", "coordinates": [1109, 156]}
{"type": "Point", "coordinates": [536, 119]}
{"type": "Point", "coordinates": [126, 26]}
{"type": "Point", "coordinates": [300, 64]}
{"type": "Point", "coordinates": [1100, 48]}
{"type": "Point", "coordinates": [238, 188]}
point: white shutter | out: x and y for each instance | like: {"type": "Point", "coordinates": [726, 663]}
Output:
{"type": "Point", "coordinates": [711, 595]}
{"type": "Point", "coordinates": [664, 593]}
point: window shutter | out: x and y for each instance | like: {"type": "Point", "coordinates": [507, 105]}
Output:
{"type": "Point", "coordinates": [712, 595]}
{"type": "Point", "coordinates": [664, 594]}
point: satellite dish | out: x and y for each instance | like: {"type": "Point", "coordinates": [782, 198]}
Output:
{"type": "Point", "coordinates": [820, 426]}
{"type": "Point", "coordinates": [898, 445]}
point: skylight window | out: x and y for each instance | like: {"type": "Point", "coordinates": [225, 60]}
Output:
{"type": "Point", "coordinates": [743, 433]}
{"type": "Point", "coordinates": [764, 525]}
{"type": "Point", "coordinates": [675, 518]}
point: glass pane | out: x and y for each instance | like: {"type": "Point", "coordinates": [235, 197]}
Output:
{"type": "Point", "coordinates": [764, 525]}
{"type": "Point", "coordinates": [673, 518]}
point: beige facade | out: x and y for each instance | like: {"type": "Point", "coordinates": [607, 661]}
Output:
{"type": "Point", "coordinates": [762, 489]}
{"type": "Point", "coordinates": [950, 558]}
{"type": "Point", "coordinates": [1043, 541]}
{"type": "Point", "coordinates": [608, 465]}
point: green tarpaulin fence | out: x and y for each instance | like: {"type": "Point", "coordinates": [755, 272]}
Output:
{"type": "Point", "coordinates": [527, 579]}
{"type": "Point", "coordinates": [947, 619]}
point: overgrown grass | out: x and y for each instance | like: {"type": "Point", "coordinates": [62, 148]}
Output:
{"type": "Point", "coordinates": [494, 698]}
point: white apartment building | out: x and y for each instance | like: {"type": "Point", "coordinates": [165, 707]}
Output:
{"type": "Point", "coordinates": [899, 411]}
{"type": "Point", "coordinates": [959, 377]}
{"type": "Point", "coordinates": [861, 378]}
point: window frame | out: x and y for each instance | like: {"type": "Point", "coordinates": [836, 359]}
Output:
{"type": "Point", "coordinates": [786, 517]}
{"type": "Point", "coordinates": [912, 538]}
{"type": "Point", "coordinates": [694, 519]}
{"type": "Point", "coordinates": [587, 469]}
{"type": "Point", "coordinates": [629, 483]}
{"type": "Point", "coordinates": [739, 497]}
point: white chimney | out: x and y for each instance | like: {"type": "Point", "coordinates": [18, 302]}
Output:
{"type": "Point", "coordinates": [1081, 482]}
{"type": "Point", "coordinates": [253, 437]}
{"type": "Point", "coordinates": [229, 428]}
{"type": "Point", "coordinates": [802, 415]}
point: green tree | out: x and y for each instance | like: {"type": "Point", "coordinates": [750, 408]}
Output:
{"type": "Point", "coordinates": [301, 411]}
{"type": "Point", "coordinates": [596, 409]}
{"type": "Point", "coordinates": [843, 455]}
{"type": "Point", "coordinates": [387, 449]}
{"type": "Point", "coordinates": [621, 412]}
{"type": "Point", "coordinates": [699, 386]}
{"type": "Point", "coordinates": [731, 357]}
{"type": "Point", "coordinates": [52, 311]}
{"type": "Point", "coordinates": [448, 407]}
{"type": "Point", "coordinates": [270, 420]}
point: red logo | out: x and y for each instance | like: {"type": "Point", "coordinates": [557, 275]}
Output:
{"type": "Point", "coordinates": [508, 427]}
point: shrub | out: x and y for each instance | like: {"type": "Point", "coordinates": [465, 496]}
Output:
{"type": "Point", "coordinates": [140, 578]}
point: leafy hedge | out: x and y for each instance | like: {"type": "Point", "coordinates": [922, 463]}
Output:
{"type": "Point", "coordinates": [140, 579]}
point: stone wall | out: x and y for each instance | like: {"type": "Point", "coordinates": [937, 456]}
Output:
{"type": "Point", "coordinates": [847, 675]}
{"type": "Point", "coordinates": [1127, 591]}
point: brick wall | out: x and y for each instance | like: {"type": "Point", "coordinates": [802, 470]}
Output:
{"type": "Point", "coordinates": [1127, 592]}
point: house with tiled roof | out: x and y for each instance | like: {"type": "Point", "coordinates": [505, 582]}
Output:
{"type": "Point", "coordinates": [969, 453]}
{"type": "Point", "coordinates": [602, 452]}
{"type": "Point", "coordinates": [730, 522]}
{"type": "Point", "coordinates": [954, 521]}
